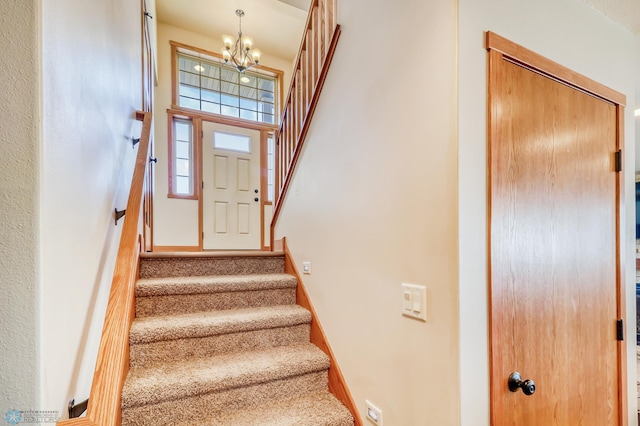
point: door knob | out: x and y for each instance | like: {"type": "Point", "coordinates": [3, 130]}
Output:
{"type": "Point", "coordinates": [256, 199]}
{"type": "Point", "coordinates": [515, 382]}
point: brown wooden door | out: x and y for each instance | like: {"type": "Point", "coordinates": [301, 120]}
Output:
{"type": "Point", "coordinates": [553, 251]}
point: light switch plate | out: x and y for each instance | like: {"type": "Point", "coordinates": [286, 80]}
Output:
{"type": "Point", "coordinates": [374, 414]}
{"type": "Point", "coordinates": [414, 301]}
{"type": "Point", "coordinates": [306, 267]}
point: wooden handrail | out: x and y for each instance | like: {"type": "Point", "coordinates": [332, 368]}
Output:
{"type": "Point", "coordinates": [112, 364]}
{"type": "Point", "coordinates": [316, 51]}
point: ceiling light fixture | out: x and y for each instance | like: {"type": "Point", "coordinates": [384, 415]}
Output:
{"type": "Point", "coordinates": [239, 52]}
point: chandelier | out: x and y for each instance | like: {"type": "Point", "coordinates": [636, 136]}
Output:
{"type": "Point", "coordinates": [239, 53]}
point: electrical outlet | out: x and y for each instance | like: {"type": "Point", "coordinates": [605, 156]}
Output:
{"type": "Point", "coordinates": [374, 414]}
{"type": "Point", "coordinates": [306, 267]}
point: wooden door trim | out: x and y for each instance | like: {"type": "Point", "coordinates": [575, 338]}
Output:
{"type": "Point", "coordinates": [499, 49]}
{"type": "Point", "coordinates": [197, 149]}
{"type": "Point", "coordinates": [548, 67]}
{"type": "Point", "coordinates": [620, 254]}
{"type": "Point", "coordinates": [264, 177]}
{"type": "Point", "coordinates": [494, 99]}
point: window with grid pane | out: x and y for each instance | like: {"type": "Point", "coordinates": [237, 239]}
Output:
{"type": "Point", "coordinates": [211, 87]}
{"type": "Point", "coordinates": [182, 157]}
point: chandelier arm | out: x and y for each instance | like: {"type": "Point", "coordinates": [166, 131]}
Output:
{"type": "Point", "coordinates": [241, 57]}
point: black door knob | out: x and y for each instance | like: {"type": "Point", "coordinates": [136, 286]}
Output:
{"type": "Point", "coordinates": [153, 160]}
{"type": "Point", "coordinates": [515, 382]}
{"type": "Point", "coordinates": [255, 199]}
{"type": "Point", "coordinates": [255, 190]}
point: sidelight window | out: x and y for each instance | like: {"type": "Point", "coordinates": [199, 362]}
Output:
{"type": "Point", "coordinates": [181, 172]}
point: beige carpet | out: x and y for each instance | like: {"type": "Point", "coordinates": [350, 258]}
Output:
{"type": "Point", "coordinates": [218, 340]}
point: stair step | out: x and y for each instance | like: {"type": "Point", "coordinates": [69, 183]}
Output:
{"type": "Point", "coordinates": [159, 265]}
{"type": "Point", "coordinates": [175, 380]}
{"type": "Point", "coordinates": [155, 339]}
{"type": "Point", "coordinates": [210, 254]}
{"type": "Point", "coordinates": [212, 284]}
{"type": "Point", "coordinates": [153, 329]}
{"type": "Point", "coordinates": [168, 296]}
{"type": "Point", "coordinates": [315, 409]}
{"type": "Point", "coordinates": [195, 409]}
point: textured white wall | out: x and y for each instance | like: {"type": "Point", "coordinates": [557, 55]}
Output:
{"type": "Point", "coordinates": [176, 221]}
{"type": "Point", "coordinates": [19, 204]}
{"type": "Point", "coordinates": [91, 89]}
{"type": "Point", "coordinates": [373, 204]}
{"type": "Point", "coordinates": [575, 35]}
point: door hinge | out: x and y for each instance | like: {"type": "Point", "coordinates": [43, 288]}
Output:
{"type": "Point", "coordinates": [620, 329]}
{"type": "Point", "coordinates": [203, 185]}
{"type": "Point", "coordinates": [618, 156]}
{"type": "Point", "coordinates": [203, 235]}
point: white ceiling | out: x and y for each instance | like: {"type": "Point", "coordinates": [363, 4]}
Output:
{"type": "Point", "coordinates": [275, 25]}
{"type": "Point", "coordinates": [625, 12]}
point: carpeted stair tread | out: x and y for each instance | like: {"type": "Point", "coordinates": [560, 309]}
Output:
{"type": "Point", "coordinates": [314, 409]}
{"type": "Point", "coordinates": [201, 324]}
{"type": "Point", "coordinates": [215, 254]}
{"type": "Point", "coordinates": [210, 263]}
{"type": "Point", "coordinates": [175, 380]}
{"type": "Point", "coordinates": [194, 409]}
{"type": "Point", "coordinates": [212, 284]}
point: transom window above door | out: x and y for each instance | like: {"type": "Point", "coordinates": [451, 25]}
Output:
{"type": "Point", "coordinates": [211, 87]}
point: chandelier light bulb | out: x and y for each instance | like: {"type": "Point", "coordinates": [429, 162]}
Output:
{"type": "Point", "coordinates": [247, 42]}
{"type": "Point", "coordinates": [228, 41]}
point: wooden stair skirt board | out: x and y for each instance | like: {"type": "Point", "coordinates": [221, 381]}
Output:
{"type": "Point", "coordinates": [229, 338]}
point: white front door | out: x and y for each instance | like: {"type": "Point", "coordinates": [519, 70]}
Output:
{"type": "Point", "coordinates": [231, 178]}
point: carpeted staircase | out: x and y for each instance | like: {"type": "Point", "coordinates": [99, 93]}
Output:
{"type": "Point", "coordinates": [219, 340]}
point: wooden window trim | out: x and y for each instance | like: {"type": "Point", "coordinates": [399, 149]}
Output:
{"type": "Point", "coordinates": [195, 157]}
{"type": "Point", "coordinates": [194, 114]}
{"type": "Point", "coordinates": [187, 49]}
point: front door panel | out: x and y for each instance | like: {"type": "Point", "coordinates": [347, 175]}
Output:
{"type": "Point", "coordinates": [231, 193]}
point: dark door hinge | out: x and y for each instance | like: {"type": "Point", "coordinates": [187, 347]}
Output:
{"type": "Point", "coordinates": [620, 330]}
{"type": "Point", "coordinates": [203, 235]}
{"type": "Point", "coordinates": [618, 156]}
